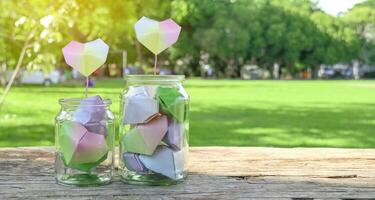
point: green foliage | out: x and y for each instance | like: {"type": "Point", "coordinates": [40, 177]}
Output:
{"type": "Point", "coordinates": [293, 33]}
{"type": "Point", "coordinates": [361, 19]}
{"type": "Point", "coordinates": [286, 32]}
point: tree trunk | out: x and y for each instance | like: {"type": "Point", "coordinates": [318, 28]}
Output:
{"type": "Point", "coordinates": [13, 77]}
{"type": "Point", "coordinates": [3, 74]}
{"type": "Point", "coordinates": [276, 71]}
{"type": "Point", "coordinates": [139, 53]}
{"type": "Point", "coordinates": [315, 73]}
{"type": "Point", "coordinates": [17, 69]}
{"type": "Point", "coordinates": [356, 70]}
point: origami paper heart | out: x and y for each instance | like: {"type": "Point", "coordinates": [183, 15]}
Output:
{"type": "Point", "coordinates": [148, 90]}
{"type": "Point", "coordinates": [70, 134]}
{"type": "Point", "coordinates": [139, 108]}
{"type": "Point", "coordinates": [86, 57]}
{"type": "Point", "coordinates": [97, 127]}
{"type": "Point", "coordinates": [145, 138]}
{"type": "Point", "coordinates": [166, 162]}
{"type": "Point", "coordinates": [151, 90]}
{"type": "Point", "coordinates": [92, 101]}
{"type": "Point", "coordinates": [90, 148]}
{"type": "Point", "coordinates": [175, 135]}
{"type": "Point", "coordinates": [157, 36]}
{"type": "Point", "coordinates": [134, 91]}
{"type": "Point", "coordinates": [91, 109]}
{"type": "Point", "coordinates": [172, 102]}
{"type": "Point", "coordinates": [132, 162]}
{"type": "Point", "coordinates": [81, 147]}
{"type": "Point", "coordinates": [87, 166]}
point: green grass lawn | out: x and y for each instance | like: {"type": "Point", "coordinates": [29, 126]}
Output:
{"type": "Point", "coordinates": [223, 112]}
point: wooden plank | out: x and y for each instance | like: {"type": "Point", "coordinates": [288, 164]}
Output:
{"type": "Point", "coordinates": [214, 173]}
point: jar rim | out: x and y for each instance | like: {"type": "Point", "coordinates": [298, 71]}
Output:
{"type": "Point", "coordinates": [159, 78]}
{"type": "Point", "coordinates": [77, 102]}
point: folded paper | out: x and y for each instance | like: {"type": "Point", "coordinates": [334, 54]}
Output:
{"type": "Point", "coordinates": [80, 148]}
{"type": "Point", "coordinates": [139, 108]}
{"type": "Point", "coordinates": [90, 148]}
{"type": "Point", "coordinates": [145, 138]}
{"type": "Point", "coordinates": [151, 90]}
{"type": "Point", "coordinates": [175, 135]}
{"type": "Point", "coordinates": [148, 90]}
{"type": "Point", "coordinates": [134, 91]}
{"type": "Point", "coordinates": [87, 166]}
{"type": "Point", "coordinates": [91, 109]}
{"type": "Point", "coordinates": [86, 57]}
{"type": "Point", "coordinates": [70, 135]}
{"type": "Point", "coordinates": [172, 102]}
{"type": "Point", "coordinates": [157, 36]}
{"type": "Point", "coordinates": [91, 101]}
{"type": "Point", "coordinates": [165, 161]}
{"type": "Point", "coordinates": [97, 127]}
{"type": "Point", "coordinates": [132, 162]}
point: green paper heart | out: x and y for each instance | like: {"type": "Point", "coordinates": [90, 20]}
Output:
{"type": "Point", "coordinates": [172, 103]}
{"type": "Point", "coordinates": [70, 135]}
{"type": "Point", "coordinates": [86, 166]}
{"type": "Point", "coordinates": [70, 132]}
{"type": "Point", "coordinates": [133, 142]}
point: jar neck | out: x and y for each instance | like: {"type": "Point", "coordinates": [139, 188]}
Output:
{"type": "Point", "coordinates": [75, 103]}
{"type": "Point", "coordinates": [134, 80]}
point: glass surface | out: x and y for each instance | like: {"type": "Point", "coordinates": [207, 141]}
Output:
{"type": "Point", "coordinates": [154, 130]}
{"type": "Point", "coordinates": [84, 150]}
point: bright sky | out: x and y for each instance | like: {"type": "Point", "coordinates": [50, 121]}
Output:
{"type": "Point", "coordinates": [334, 7]}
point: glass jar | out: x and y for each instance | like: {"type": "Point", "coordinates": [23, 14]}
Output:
{"type": "Point", "coordinates": [154, 130]}
{"type": "Point", "coordinates": [84, 140]}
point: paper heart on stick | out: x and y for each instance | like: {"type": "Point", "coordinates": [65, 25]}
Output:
{"type": "Point", "coordinates": [157, 36]}
{"type": "Point", "coordinates": [86, 57]}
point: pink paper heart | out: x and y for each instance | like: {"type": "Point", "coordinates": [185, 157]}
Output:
{"type": "Point", "coordinates": [144, 138]}
{"type": "Point", "coordinates": [86, 57]}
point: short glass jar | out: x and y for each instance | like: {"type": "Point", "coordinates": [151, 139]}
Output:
{"type": "Point", "coordinates": [84, 140]}
{"type": "Point", "coordinates": [154, 130]}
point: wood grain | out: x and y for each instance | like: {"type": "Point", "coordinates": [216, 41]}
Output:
{"type": "Point", "coordinates": [214, 173]}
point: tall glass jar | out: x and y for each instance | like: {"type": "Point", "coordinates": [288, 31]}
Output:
{"type": "Point", "coordinates": [154, 130]}
{"type": "Point", "coordinates": [84, 139]}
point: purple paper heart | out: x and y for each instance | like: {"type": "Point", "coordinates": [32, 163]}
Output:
{"type": "Point", "coordinates": [165, 161]}
{"type": "Point", "coordinates": [97, 127]}
{"type": "Point", "coordinates": [175, 135]}
{"type": "Point", "coordinates": [91, 109]}
{"type": "Point", "coordinates": [132, 162]}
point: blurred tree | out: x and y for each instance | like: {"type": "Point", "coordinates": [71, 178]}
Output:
{"type": "Point", "coordinates": [33, 32]}
{"type": "Point", "coordinates": [293, 34]}
{"type": "Point", "coordinates": [361, 18]}
{"type": "Point", "coordinates": [26, 27]}
{"type": "Point", "coordinates": [226, 34]}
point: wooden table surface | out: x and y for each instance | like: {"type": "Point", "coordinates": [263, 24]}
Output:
{"type": "Point", "coordinates": [214, 173]}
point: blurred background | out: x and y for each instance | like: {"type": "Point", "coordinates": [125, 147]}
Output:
{"type": "Point", "coordinates": [310, 62]}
